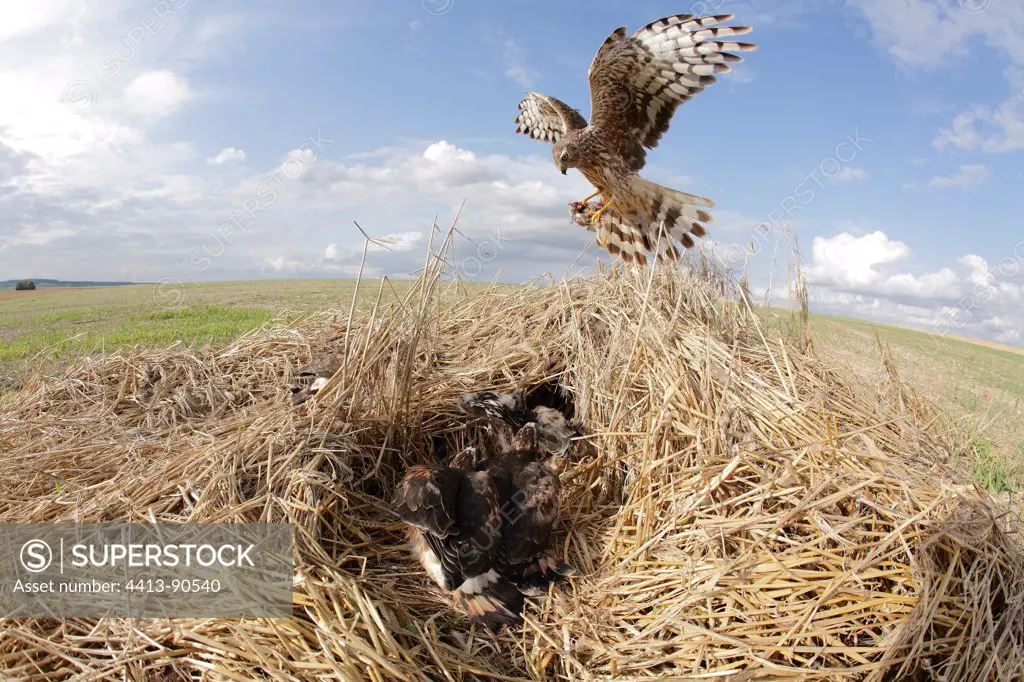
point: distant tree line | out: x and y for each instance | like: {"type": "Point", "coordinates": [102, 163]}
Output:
{"type": "Point", "coordinates": [24, 285]}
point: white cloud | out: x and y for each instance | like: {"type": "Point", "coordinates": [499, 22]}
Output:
{"type": "Point", "coordinates": [967, 176]}
{"type": "Point", "coordinates": [43, 234]}
{"type": "Point", "coordinates": [851, 173]}
{"type": "Point", "coordinates": [932, 34]}
{"type": "Point", "coordinates": [156, 93]}
{"type": "Point", "coordinates": [225, 155]}
{"type": "Point", "coordinates": [22, 19]}
{"type": "Point", "coordinates": [342, 260]}
{"type": "Point", "coordinates": [415, 27]}
{"type": "Point", "coordinates": [872, 307]}
{"type": "Point", "coordinates": [516, 68]}
{"type": "Point", "coordinates": [283, 263]}
{"type": "Point", "coordinates": [941, 284]}
{"type": "Point", "coordinates": [995, 131]}
{"type": "Point", "coordinates": [333, 252]}
{"type": "Point", "coordinates": [852, 262]}
{"type": "Point", "coordinates": [397, 243]}
{"type": "Point", "coordinates": [861, 276]}
{"type": "Point", "coordinates": [1011, 336]}
{"type": "Point", "coordinates": [289, 218]}
{"type": "Point", "coordinates": [776, 15]}
{"type": "Point", "coordinates": [403, 241]}
{"type": "Point", "coordinates": [80, 97]}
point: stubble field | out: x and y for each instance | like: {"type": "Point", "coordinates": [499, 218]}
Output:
{"type": "Point", "coordinates": [978, 385]}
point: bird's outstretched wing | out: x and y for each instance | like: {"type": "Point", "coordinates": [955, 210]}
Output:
{"type": "Point", "coordinates": [545, 118]}
{"type": "Point", "coordinates": [637, 82]}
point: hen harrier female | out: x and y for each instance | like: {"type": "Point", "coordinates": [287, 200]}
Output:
{"type": "Point", "coordinates": [636, 84]}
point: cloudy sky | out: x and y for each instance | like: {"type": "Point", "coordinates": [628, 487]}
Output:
{"type": "Point", "coordinates": [182, 140]}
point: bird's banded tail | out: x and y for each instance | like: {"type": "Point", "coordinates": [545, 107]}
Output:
{"type": "Point", "coordinates": [491, 600]}
{"type": "Point", "coordinates": [677, 217]}
{"type": "Point", "coordinates": [681, 212]}
{"type": "Point", "coordinates": [546, 569]}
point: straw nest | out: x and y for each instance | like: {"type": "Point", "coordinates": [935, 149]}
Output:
{"type": "Point", "coordinates": [735, 511]}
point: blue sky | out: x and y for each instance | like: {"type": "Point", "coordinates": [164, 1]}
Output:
{"type": "Point", "coordinates": [132, 133]}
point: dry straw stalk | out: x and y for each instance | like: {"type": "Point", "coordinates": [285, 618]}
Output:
{"type": "Point", "coordinates": [736, 511]}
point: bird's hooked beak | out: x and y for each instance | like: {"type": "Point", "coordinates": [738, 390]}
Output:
{"type": "Point", "coordinates": [561, 162]}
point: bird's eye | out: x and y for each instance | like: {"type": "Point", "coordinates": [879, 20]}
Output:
{"type": "Point", "coordinates": [565, 156]}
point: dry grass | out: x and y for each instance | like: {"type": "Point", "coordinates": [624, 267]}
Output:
{"type": "Point", "coordinates": [737, 511]}
{"type": "Point", "coordinates": [978, 387]}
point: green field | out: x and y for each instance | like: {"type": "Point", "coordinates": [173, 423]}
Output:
{"type": "Point", "coordinates": [54, 326]}
{"type": "Point", "coordinates": [980, 386]}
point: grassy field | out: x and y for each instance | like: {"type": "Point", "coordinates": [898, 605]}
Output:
{"type": "Point", "coordinates": [980, 385]}
{"type": "Point", "coordinates": [53, 325]}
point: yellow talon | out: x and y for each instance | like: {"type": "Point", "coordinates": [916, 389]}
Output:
{"type": "Point", "coordinates": [597, 214]}
{"type": "Point", "coordinates": [602, 240]}
{"type": "Point", "coordinates": [590, 197]}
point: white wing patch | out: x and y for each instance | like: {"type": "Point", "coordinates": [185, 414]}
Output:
{"type": "Point", "coordinates": [546, 118]}
{"type": "Point", "coordinates": [533, 122]}
{"type": "Point", "coordinates": [479, 583]}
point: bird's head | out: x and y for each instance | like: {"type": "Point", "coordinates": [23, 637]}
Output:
{"type": "Point", "coordinates": [564, 154]}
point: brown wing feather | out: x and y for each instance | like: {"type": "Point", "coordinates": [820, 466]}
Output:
{"type": "Point", "coordinates": [426, 498]}
{"type": "Point", "coordinates": [528, 533]}
{"type": "Point", "coordinates": [494, 407]}
{"type": "Point", "coordinates": [529, 495]}
{"type": "Point", "coordinates": [480, 524]}
{"type": "Point", "coordinates": [465, 459]}
{"type": "Point", "coordinates": [498, 605]}
{"type": "Point", "coordinates": [322, 366]}
{"type": "Point", "coordinates": [543, 117]}
{"type": "Point", "coordinates": [525, 438]}
{"type": "Point", "coordinates": [638, 82]}
{"type": "Point", "coordinates": [460, 515]}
